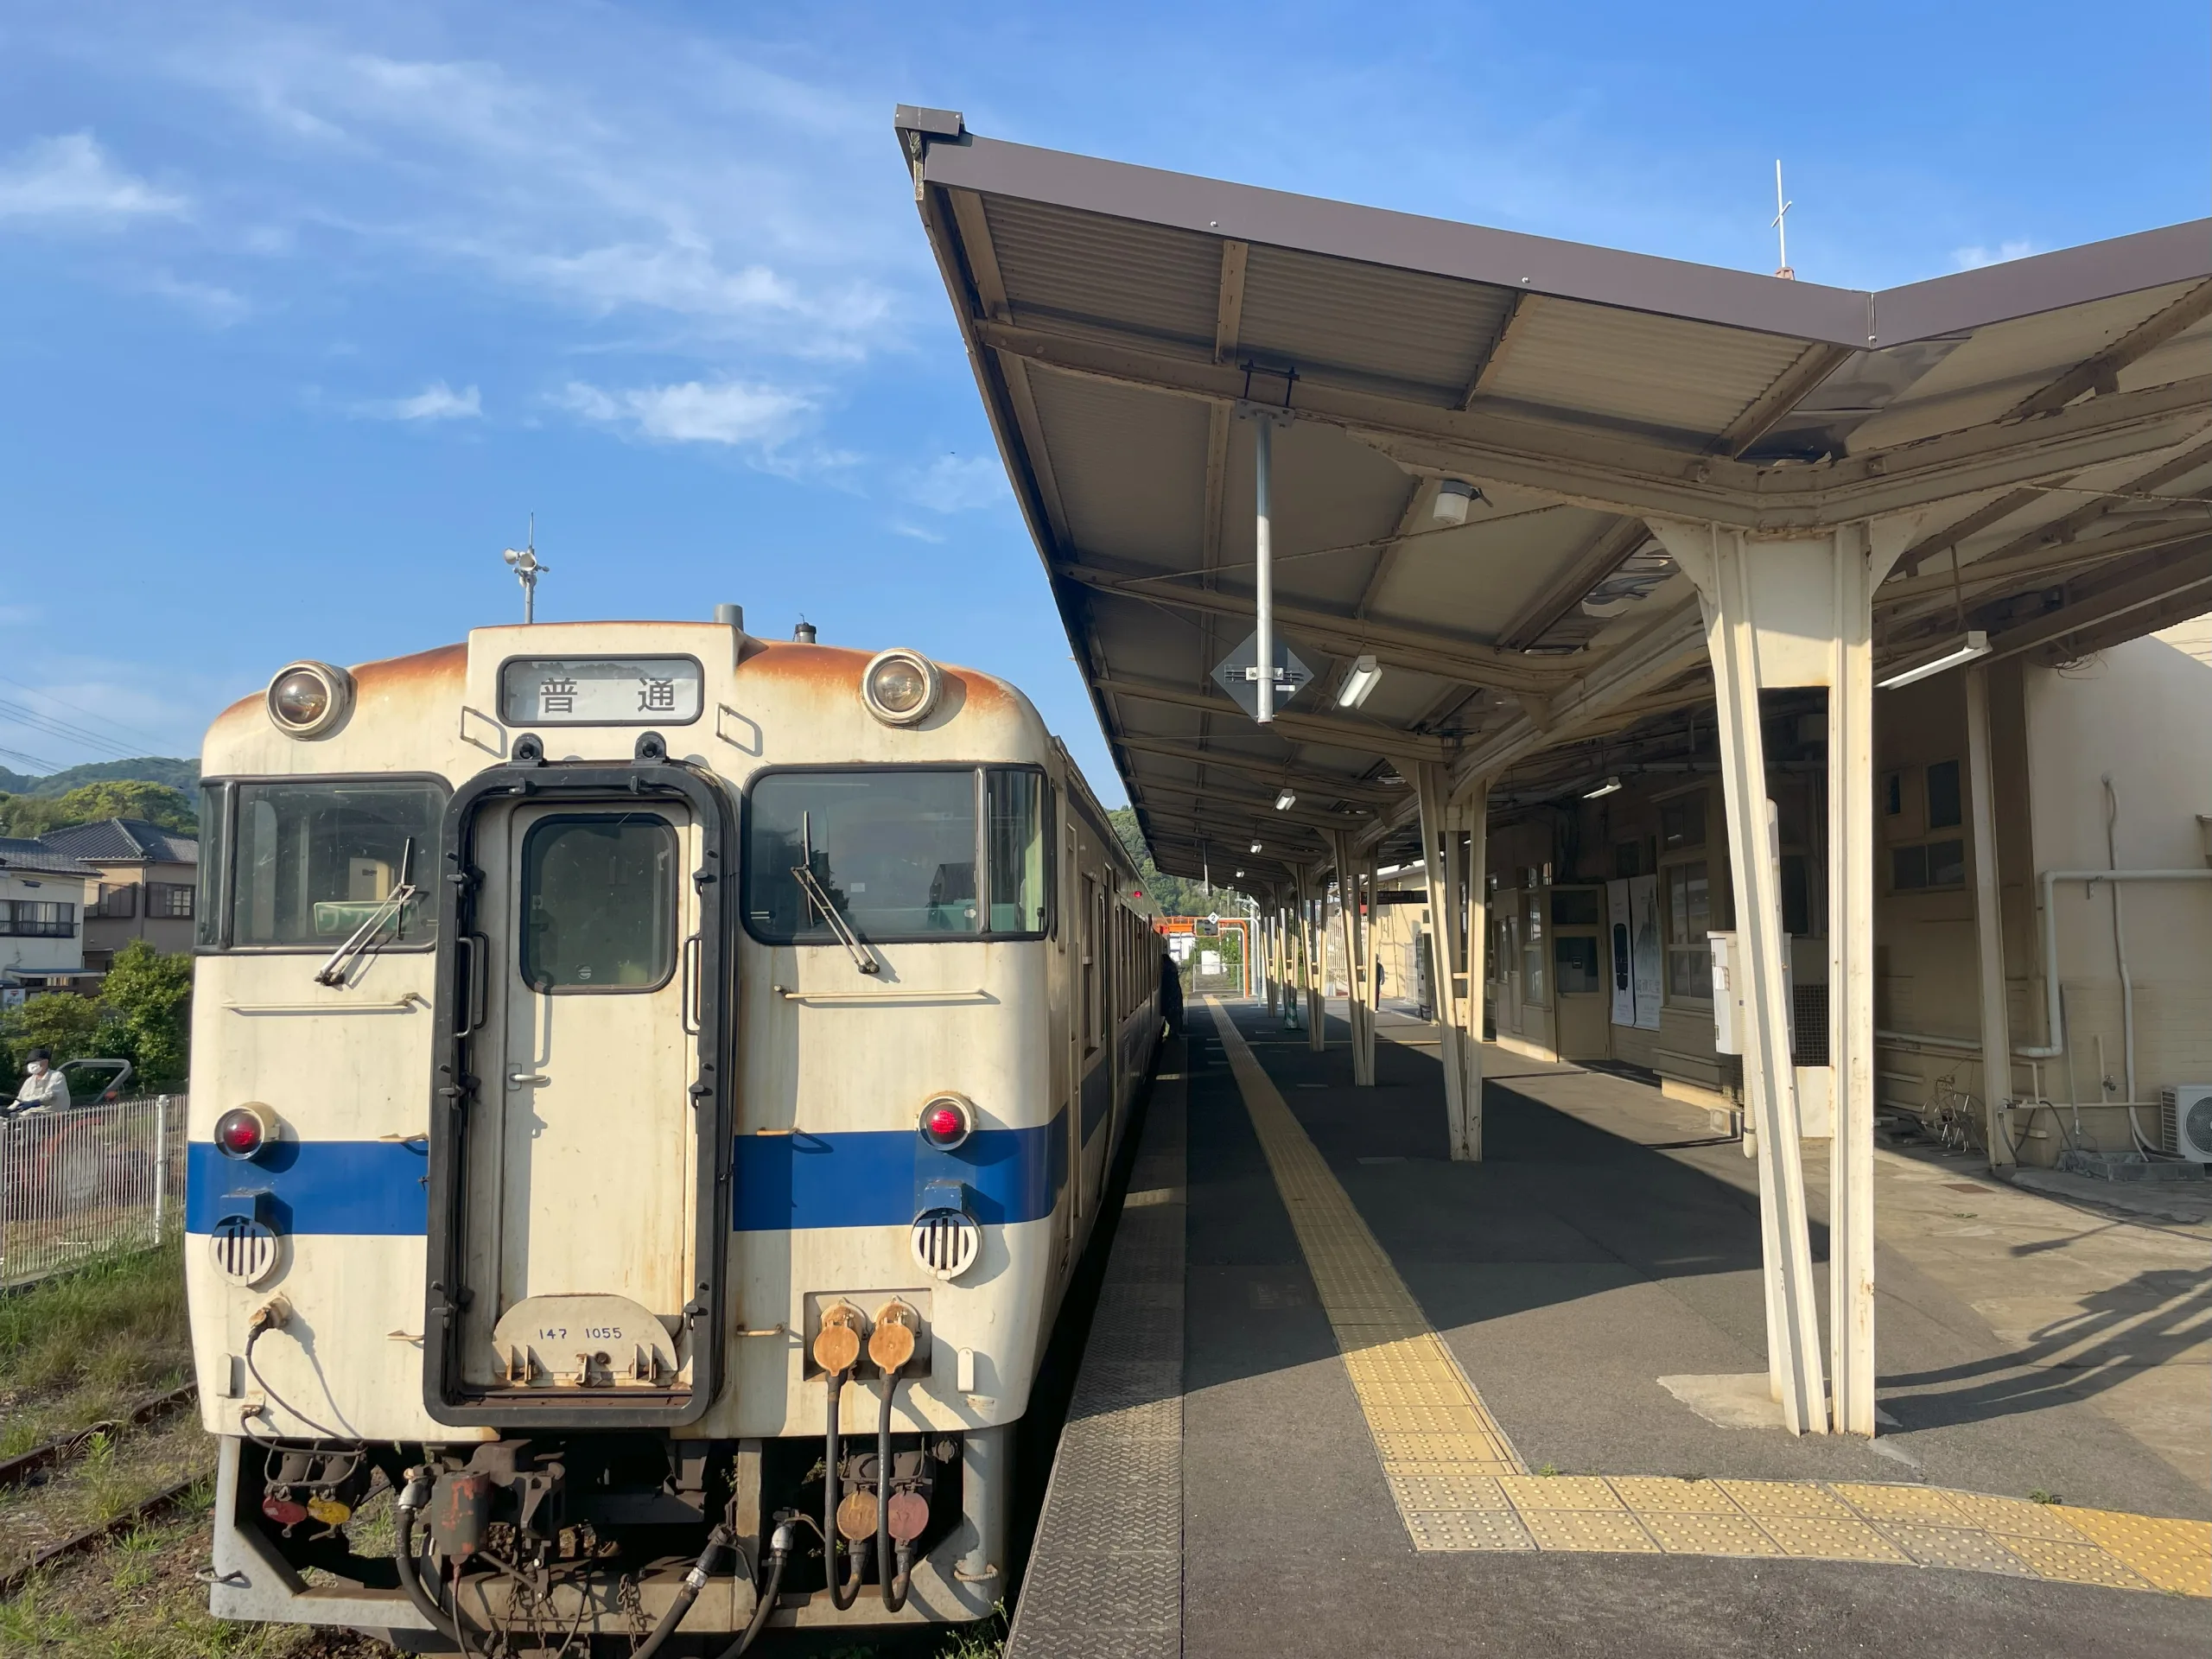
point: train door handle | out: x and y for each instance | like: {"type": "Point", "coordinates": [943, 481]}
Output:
{"type": "Point", "coordinates": [525, 1079]}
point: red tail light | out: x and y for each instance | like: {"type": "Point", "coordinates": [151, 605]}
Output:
{"type": "Point", "coordinates": [241, 1132]}
{"type": "Point", "coordinates": [946, 1122]}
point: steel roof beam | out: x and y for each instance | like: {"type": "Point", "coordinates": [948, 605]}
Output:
{"type": "Point", "coordinates": [1260, 808]}
{"type": "Point", "coordinates": [1331, 731]}
{"type": "Point", "coordinates": [1280, 773]}
{"type": "Point", "coordinates": [1620, 474]}
{"type": "Point", "coordinates": [2100, 374]}
{"type": "Point", "coordinates": [1422, 650]}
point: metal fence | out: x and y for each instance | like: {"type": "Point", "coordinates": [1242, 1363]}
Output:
{"type": "Point", "coordinates": [99, 1177]}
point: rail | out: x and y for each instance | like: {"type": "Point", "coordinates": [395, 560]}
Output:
{"type": "Point", "coordinates": [78, 1183]}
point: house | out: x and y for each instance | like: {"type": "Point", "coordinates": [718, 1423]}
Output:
{"type": "Point", "coordinates": [43, 895]}
{"type": "Point", "coordinates": [147, 876]}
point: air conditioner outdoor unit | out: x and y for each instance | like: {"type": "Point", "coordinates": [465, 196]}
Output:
{"type": "Point", "coordinates": [2185, 1125]}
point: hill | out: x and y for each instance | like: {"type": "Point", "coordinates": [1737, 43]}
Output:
{"type": "Point", "coordinates": [183, 776]}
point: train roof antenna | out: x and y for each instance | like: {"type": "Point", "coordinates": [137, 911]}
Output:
{"type": "Point", "coordinates": [527, 571]}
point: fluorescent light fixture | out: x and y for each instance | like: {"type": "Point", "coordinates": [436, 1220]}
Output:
{"type": "Point", "coordinates": [1240, 875]}
{"type": "Point", "coordinates": [1611, 786]}
{"type": "Point", "coordinates": [1977, 645]}
{"type": "Point", "coordinates": [1365, 672]}
{"type": "Point", "coordinates": [1255, 846]}
{"type": "Point", "coordinates": [1453, 497]}
{"type": "Point", "coordinates": [1285, 801]}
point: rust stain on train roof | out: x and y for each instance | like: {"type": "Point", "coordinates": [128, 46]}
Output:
{"type": "Point", "coordinates": [838, 668]}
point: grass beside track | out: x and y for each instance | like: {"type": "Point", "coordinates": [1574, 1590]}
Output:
{"type": "Point", "coordinates": [87, 1345]}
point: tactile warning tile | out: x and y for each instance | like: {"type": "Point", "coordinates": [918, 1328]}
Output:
{"type": "Point", "coordinates": [2014, 1517]}
{"type": "Point", "coordinates": [1670, 1496]}
{"type": "Point", "coordinates": [1526, 1492]}
{"type": "Point", "coordinates": [2081, 1563]}
{"type": "Point", "coordinates": [1466, 1529]}
{"type": "Point", "coordinates": [1959, 1547]}
{"type": "Point", "coordinates": [1920, 1505]}
{"type": "Point", "coordinates": [1799, 1499]}
{"type": "Point", "coordinates": [1732, 1534]}
{"type": "Point", "coordinates": [1613, 1533]}
{"type": "Point", "coordinates": [1448, 1492]}
{"type": "Point", "coordinates": [2176, 1556]}
{"type": "Point", "coordinates": [1813, 1539]}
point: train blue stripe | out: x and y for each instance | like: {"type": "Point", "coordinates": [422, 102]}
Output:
{"type": "Point", "coordinates": [874, 1179]}
{"type": "Point", "coordinates": [375, 1188]}
{"type": "Point", "coordinates": [380, 1188]}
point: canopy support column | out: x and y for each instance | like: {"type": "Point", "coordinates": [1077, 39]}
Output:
{"type": "Point", "coordinates": [1439, 863]}
{"type": "Point", "coordinates": [1359, 944]}
{"type": "Point", "coordinates": [1797, 611]}
{"type": "Point", "coordinates": [1311, 964]}
{"type": "Point", "coordinates": [1474, 813]}
{"type": "Point", "coordinates": [1989, 927]}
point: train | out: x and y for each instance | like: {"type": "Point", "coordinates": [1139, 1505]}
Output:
{"type": "Point", "coordinates": [652, 1086]}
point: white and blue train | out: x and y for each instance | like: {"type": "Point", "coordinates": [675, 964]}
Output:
{"type": "Point", "coordinates": [651, 1087]}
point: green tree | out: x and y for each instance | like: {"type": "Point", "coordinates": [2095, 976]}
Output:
{"type": "Point", "coordinates": [1171, 895]}
{"type": "Point", "coordinates": [34, 815]}
{"type": "Point", "coordinates": [148, 1002]}
{"type": "Point", "coordinates": [69, 1025]}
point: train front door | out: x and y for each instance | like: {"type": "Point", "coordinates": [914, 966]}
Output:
{"type": "Point", "coordinates": [582, 1158]}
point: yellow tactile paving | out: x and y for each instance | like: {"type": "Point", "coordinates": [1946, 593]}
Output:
{"type": "Point", "coordinates": [1672, 1496]}
{"type": "Point", "coordinates": [1797, 1499]}
{"type": "Point", "coordinates": [1705, 1534]}
{"type": "Point", "coordinates": [1613, 1533]}
{"type": "Point", "coordinates": [1526, 1492]}
{"type": "Point", "coordinates": [2081, 1563]}
{"type": "Point", "coordinates": [1925, 1506]}
{"type": "Point", "coordinates": [1458, 1483]}
{"type": "Point", "coordinates": [2176, 1556]}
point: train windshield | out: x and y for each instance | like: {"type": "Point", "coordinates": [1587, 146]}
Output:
{"type": "Point", "coordinates": [901, 853]}
{"type": "Point", "coordinates": [315, 860]}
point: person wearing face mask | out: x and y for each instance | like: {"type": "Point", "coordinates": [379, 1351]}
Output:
{"type": "Point", "coordinates": [44, 1088]}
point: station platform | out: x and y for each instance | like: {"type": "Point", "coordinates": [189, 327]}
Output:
{"type": "Point", "coordinates": [1343, 1395]}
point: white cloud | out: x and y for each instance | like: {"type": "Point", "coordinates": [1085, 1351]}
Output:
{"type": "Point", "coordinates": [706, 200]}
{"type": "Point", "coordinates": [436, 402]}
{"type": "Point", "coordinates": [917, 533]}
{"type": "Point", "coordinates": [733, 412]}
{"type": "Point", "coordinates": [69, 179]}
{"type": "Point", "coordinates": [213, 303]}
{"type": "Point", "coordinates": [958, 484]}
{"type": "Point", "coordinates": [1974, 259]}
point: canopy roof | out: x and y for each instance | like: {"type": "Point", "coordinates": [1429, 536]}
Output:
{"type": "Point", "coordinates": [2046, 420]}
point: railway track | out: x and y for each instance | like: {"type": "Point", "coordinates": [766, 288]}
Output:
{"type": "Point", "coordinates": [17, 1471]}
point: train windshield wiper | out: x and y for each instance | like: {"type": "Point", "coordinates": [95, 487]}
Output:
{"type": "Point", "coordinates": [817, 899]}
{"type": "Point", "coordinates": [333, 972]}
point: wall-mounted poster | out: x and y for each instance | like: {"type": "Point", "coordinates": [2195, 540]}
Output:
{"type": "Point", "coordinates": [1644, 948]}
{"type": "Point", "coordinates": [1620, 929]}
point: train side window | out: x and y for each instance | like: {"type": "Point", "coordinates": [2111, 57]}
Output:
{"type": "Point", "coordinates": [316, 860]}
{"type": "Point", "coordinates": [598, 896]}
{"type": "Point", "coordinates": [1015, 849]}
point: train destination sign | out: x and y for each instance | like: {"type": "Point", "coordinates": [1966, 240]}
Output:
{"type": "Point", "coordinates": [600, 691]}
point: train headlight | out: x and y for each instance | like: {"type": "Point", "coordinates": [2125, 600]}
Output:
{"type": "Point", "coordinates": [242, 1132]}
{"type": "Point", "coordinates": [308, 699]}
{"type": "Point", "coordinates": [899, 687]}
{"type": "Point", "coordinates": [947, 1120]}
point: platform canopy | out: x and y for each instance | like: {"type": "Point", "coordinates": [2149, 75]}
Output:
{"type": "Point", "coordinates": [2044, 426]}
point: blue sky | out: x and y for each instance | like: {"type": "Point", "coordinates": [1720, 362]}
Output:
{"type": "Point", "coordinates": [303, 309]}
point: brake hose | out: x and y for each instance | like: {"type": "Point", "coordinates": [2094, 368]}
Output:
{"type": "Point", "coordinates": [694, 1582]}
{"type": "Point", "coordinates": [779, 1551]}
{"type": "Point", "coordinates": [894, 1589]}
{"type": "Point", "coordinates": [841, 1596]}
{"type": "Point", "coordinates": [415, 1495]}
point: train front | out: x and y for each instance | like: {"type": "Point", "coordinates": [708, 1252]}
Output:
{"type": "Point", "coordinates": [630, 1136]}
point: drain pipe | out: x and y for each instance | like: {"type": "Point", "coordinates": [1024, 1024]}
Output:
{"type": "Point", "coordinates": [2054, 1010]}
